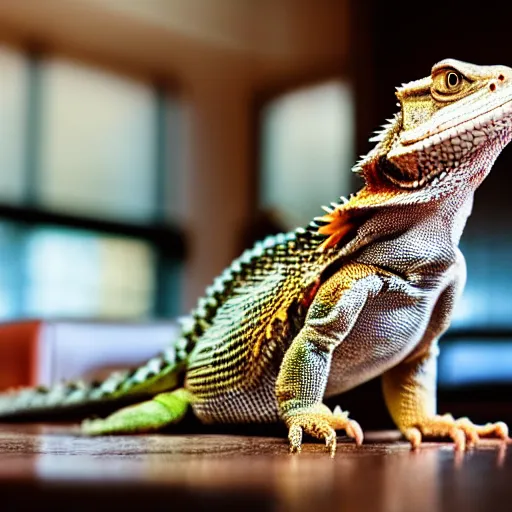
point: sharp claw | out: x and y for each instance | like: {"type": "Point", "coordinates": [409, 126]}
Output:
{"type": "Point", "coordinates": [355, 431]}
{"type": "Point", "coordinates": [414, 437]}
{"type": "Point", "coordinates": [295, 439]}
{"type": "Point", "coordinates": [502, 430]}
{"type": "Point", "coordinates": [333, 448]}
{"type": "Point", "coordinates": [330, 443]}
{"type": "Point", "coordinates": [459, 438]}
{"type": "Point", "coordinates": [472, 438]}
{"type": "Point", "coordinates": [322, 424]}
{"type": "Point", "coordinates": [464, 433]}
{"type": "Point", "coordinates": [469, 430]}
{"type": "Point", "coordinates": [329, 437]}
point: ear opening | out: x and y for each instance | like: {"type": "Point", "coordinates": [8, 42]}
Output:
{"type": "Point", "coordinates": [406, 175]}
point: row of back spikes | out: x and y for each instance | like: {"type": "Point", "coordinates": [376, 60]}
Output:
{"type": "Point", "coordinates": [318, 222]}
{"type": "Point", "coordinates": [198, 318]}
{"type": "Point", "coordinates": [378, 136]}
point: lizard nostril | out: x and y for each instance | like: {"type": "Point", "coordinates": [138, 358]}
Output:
{"type": "Point", "coordinates": [492, 87]}
{"type": "Point", "coordinates": [501, 78]}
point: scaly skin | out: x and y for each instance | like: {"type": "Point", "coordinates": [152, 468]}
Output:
{"type": "Point", "coordinates": [365, 290]}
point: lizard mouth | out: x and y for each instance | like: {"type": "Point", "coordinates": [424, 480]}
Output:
{"type": "Point", "coordinates": [479, 117]}
{"type": "Point", "coordinates": [448, 141]}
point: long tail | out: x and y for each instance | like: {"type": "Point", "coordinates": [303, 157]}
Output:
{"type": "Point", "coordinates": [162, 373]}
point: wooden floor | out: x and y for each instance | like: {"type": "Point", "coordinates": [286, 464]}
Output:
{"type": "Point", "coordinates": [44, 467]}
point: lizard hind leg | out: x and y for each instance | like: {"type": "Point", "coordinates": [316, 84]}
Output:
{"type": "Point", "coordinates": [152, 415]}
{"type": "Point", "coordinates": [410, 394]}
{"type": "Point", "coordinates": [462, 431]}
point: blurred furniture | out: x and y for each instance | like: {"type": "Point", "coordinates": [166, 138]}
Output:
{"type": "Point", "coordinates": [47, 352]}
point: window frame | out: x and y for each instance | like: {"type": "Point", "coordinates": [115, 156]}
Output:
{"type": "Point", "coordinates": [162, 235]}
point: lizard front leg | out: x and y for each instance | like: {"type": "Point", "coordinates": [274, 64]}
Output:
{"type": "Point", "coordinates": [305, 367]}
{"type": "Point", "coordinates": [410, 394]}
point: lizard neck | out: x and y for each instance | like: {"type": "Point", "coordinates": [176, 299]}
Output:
{"type": "Point", "coordinates": [444, 217]}
{"type": "Point", "coordinates": [427, 234]}
{"type": "Point", "coordinates": [453, 212]}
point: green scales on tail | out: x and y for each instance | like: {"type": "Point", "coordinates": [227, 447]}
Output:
{"type": "Point", "coordinates": [365, 290]}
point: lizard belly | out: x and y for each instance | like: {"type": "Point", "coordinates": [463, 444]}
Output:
{"type": "Point", "coordinates": [242, 405]}
{"type": "Point", "coordinates": [388, 329]}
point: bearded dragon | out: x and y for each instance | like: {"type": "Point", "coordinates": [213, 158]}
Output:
{"type": "Point", "coordinates": [365, 290]}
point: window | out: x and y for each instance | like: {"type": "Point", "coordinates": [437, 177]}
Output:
{"type": "Point", "coordinates": [98, 141]}
{"type": "Point", "coordinates": [485, 303]}
{"type": "Point", "coordinates": [85, 225]}
{"type": "Point", "coordinates": [478, 347]}
{"type": "Point", "coordinates": [77, 274]}
{"type": "Point", "coordinates": [476, 361]}
{"type": "Point", "coordinates": [307, 151]}
{"type": "Point", "coordinates": [11, 276]}
{"type": "Point", "coordinates": [13, 118]}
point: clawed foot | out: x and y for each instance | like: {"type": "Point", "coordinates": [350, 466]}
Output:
{"type": "Point", "coordinates": [463, 432]}
{"type": "Point", "coordinates": [318, 421]}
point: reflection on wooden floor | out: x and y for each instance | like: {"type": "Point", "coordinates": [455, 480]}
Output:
{"type": "Point", "coordinates": [45, 466]}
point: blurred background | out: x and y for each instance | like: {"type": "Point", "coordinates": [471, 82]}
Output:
{"type": "Point", "coordinates": [146, 143]}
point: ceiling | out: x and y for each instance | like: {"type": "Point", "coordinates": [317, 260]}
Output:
{"type": "Point", "coordinates": [262, 40]}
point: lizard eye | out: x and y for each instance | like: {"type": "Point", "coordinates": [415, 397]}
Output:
{"type": "Point", "coordinates": [452, 80]}
{"type": "Point", "coordinates": [447, 83]}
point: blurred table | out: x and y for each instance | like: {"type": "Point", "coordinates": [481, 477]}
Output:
{"type": "Point", "coordinates": [44, 467]}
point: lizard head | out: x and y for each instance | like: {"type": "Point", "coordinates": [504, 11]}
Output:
{"type": "Point", "coordinates": [451, 127]}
